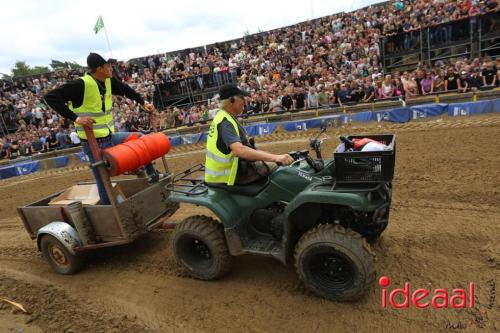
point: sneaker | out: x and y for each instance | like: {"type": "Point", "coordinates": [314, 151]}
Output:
{"type": "Point", "coordinates": [157, 176]}
{"type": "Point", "coordinates": [154, 178]}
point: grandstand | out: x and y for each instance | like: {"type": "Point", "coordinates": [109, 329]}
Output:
{"type": "Point", "coordinates": [330, 64]}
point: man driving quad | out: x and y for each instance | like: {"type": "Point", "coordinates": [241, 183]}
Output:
{"type": "Point", "coordinates": [231, 157]}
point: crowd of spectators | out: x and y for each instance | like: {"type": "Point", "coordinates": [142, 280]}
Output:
{"type": "Point", "coordinates": [334, 60]}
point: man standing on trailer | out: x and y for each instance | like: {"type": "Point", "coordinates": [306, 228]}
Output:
{"type": "Point", "coordinates": [87, 101]}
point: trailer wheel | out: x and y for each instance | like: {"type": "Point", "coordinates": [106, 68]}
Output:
{"type": "Point", "coordinates": [199, 246]}
{"type": "Point", "coordinates": [58, 256]}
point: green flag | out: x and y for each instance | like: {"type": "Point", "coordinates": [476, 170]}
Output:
{"type": "Point", "coordinates": [99, 24]}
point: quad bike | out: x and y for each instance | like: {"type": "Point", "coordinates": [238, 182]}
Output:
{"type": "Point", "coordinates": [319, 213]}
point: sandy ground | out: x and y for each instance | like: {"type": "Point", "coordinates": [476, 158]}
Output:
{"type": "Point", "coordinates": [444, 232]}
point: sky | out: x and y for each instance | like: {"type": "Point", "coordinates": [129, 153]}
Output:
{"type": "Point", "coordinates": [38, 31]}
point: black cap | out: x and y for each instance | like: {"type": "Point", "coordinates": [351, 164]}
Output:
{"type": "Point", "coordinates": [230, 90]}
{"type": "Point", "coordinates": [94, 60]}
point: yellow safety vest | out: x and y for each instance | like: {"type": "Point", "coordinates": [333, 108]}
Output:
{"type": "Point", "coordinates": [92, 107]}
{"type": "Point", "coordinates": [220, 167]}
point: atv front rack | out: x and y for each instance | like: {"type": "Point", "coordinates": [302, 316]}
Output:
{"type": "Point", "coordinates": [186, 184]}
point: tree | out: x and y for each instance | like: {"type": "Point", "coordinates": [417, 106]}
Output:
{"type": "Point", "coordinates": [40, 70]}
{"type": "Point", "coordinates": [74, 65]}
{"type": "Point", "coordinates": [6, 77]}
{"type": "Point", "coordinates": [58, 65]}
{"type": "Point", "coordinates": [23, 69]}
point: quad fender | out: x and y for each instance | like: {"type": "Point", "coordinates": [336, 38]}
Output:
{"type": "Point", "coordinates": [64, 232]}
{"type": "Point", "coordinates": [227, 210]}
{"type": "Point", "coordinates": [220, 203]}
{"type": "Point", "coordinates": [323, 195]}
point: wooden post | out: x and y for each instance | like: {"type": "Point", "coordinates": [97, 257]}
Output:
{"type": "Point", "coordinates": [82, 224]}
{"type": "Point", "coordinates": [101, 169]}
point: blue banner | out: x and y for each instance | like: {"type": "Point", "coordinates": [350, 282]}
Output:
{"type": "Point", "coordinates": [8, 171]}
{"type": "Point", "coordinates": [175, 140]}
{"type": "Point", "coordinates": [303, 125]}
{"type": "Point", "coordinates": [400, 115]}
{"type": "Point", "coordinates": [427, 110]}
{"type": "Point", "coordinates": [495, 105]}
{"type": "Point", "coordinates": [329, 121]}
{"type": "Point", "coordinates": [393, 115]}
{"type": "Point", "coordinates": [203, 137]}
{"type": "Point", "coordinates": [191, 138]}
{"type": "Point", "coordinates": [363, 116]}
{"type": "Point", "coordinates": [82, 156]}
{"type": "Point", "coordinates": [315, 122]}
{"type": "Point", "coordinates": [292, 126]}
{"type": "Point", "coordinates": [61, 161]}
{"type": "Point", "coordinates": [469, 109]}
{"type": "Point", "coordinates": [261, 129]}
{"type": "Point", "coordinates": [27, 168]}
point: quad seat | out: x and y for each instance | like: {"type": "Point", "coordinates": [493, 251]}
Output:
{"type": "Point", "coordinates": [248, 190]}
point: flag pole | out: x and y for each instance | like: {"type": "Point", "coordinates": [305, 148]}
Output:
{"type": "Point", "coordinates": [107, 39]}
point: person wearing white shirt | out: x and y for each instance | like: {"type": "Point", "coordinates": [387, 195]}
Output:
{"type": "Point", "coordinates": [75, 140]}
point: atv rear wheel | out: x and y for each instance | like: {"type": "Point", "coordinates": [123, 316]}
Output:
{"type": "Point", "coordinates": [199, 246]}
{"type": "Point", "coordinates": [335, 262]}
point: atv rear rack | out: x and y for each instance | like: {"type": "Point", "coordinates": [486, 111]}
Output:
{"type": "Point", "coordinates": [368, 166]}
{"type": "Point", "coordinates": [381, 188]}
{"type": "Point", "coordinates": [333, 186]}
{"type": "Point", "coordinates": [185, 184]}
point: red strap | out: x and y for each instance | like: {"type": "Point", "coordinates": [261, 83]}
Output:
{"type": "Point", "coordinates": [133, 136]}
{"type": "Point", "coordinates": [360, 143]}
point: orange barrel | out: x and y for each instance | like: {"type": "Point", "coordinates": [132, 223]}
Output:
{"type": "Point", "coordinates": [158, 144]}
{"type": "Point", "coordinates": [133, 154]}
{"type": "Point", "coordinates": [133, 136]}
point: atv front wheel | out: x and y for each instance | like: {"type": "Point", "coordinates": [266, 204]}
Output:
{"type": "Point", "coordinates": [335, 262]}
{"type": "Point", "coordinates": [199, 246]}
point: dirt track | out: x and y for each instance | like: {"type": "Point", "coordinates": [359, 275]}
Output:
{"type": "Point", "coordinates": [444, 232]}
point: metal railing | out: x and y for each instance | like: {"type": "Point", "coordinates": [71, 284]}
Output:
{"type": "Point", "coordinates": [474, 36]}
{"type": "Point", "coordinates": [198, 127]}
{"type": "Point", "coordinates": [435, 97]}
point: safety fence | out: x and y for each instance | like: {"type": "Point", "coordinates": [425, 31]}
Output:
{"type": "Point", "coordinates": [397, 115]}
{"type": "Point", "coordinates": [30, 166]}
{"type": "Point", "coordinates": [394, 115]}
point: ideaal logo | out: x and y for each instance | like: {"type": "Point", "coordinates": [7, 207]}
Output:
{"type": "Point", "coordinates": [458, 298]}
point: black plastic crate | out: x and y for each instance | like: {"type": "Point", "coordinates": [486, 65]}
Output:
{"type": "Point", "coordinates": [370, 166]}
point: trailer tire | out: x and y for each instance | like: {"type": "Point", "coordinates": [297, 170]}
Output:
{"type": "Point", "coordinates": [58, 256]}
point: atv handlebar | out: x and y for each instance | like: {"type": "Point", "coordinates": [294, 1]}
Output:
{"type": "Point", "coordinates": [315, 144]}
{"type": "Point", "coordinates": [348, 143]}
{"type": "Point", "coordinates": [317, 165]}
